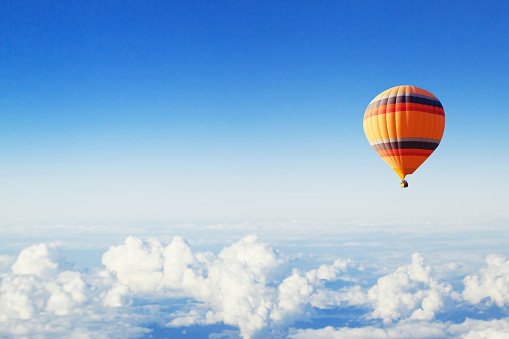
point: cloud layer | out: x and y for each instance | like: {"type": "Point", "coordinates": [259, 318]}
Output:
{"type": "Point", "coordinates": [247, 285]}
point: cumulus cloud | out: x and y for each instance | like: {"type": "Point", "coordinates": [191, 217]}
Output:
{"type": "Point", "coordinates": [233, 285]}
{"type": "Point", "coordinates": [410, 291]}
{"type": "Point", "coordinates": [237, 286]}
{"type": "Point", "coordinates": [41, 260]}
{"type": "Point", "coordinates": [38, 283]}
{"type": "Point", "coordinates": [39, 294]}
{"type": "Point", "coordinates": [469, 329]}
{"type": "Point", "coordinates": [403, 330]}
{"type": "Point", "coordinates": [303, 290]}
{"type": "Point", "coordinates": [492, 282]}
{"type": "Point", "coordinates": [480, 329]}
{"type": "Point", "coordinates": [248, 285]}
{"type": "Point", "coordinates": [137, 265]}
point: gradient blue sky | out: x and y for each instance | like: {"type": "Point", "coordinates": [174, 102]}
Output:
{"type": "Point", "coordinates": [163, 111]}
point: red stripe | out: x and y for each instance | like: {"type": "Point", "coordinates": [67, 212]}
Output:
{"type": "Point", "coordinates": [404, 152]}
{"type": "Point", "coordinates": [402, 107]}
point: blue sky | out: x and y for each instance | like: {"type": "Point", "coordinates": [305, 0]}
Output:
{"type": "Point", "coordinates": [217, 120]}
{"type": "Point", "coordinates": [123, 110]}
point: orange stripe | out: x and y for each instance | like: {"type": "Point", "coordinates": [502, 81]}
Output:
{"type": "Point", "coordinates": [404, 152]}
{"type": "Point", "coordinates": [404, 125]}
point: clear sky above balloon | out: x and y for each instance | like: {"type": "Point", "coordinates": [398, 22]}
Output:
{"type": "Point", "coordinates": [162, 111]}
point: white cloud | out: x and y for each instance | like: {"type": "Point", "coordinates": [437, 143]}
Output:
{"type": "Point", "coordinates": [233, 284]}
{"type": "Point", "coordinates": [40, 295]}
{"type": "Point", "coordinates": [66, 293]}
{"type": "Point", "coordinates": [403, 330]}
{"type": "Point", "coordinates": [492, 282]}
{"type": "Point", "coordinates": [177, 258]}
{"type": "Point", "coordinates": [136, 264]}
{"type": "Point", "coordinates": [479, 329]}
{"type": "Point", "coordinates": [469, 329]}
{"type": "Point", "coordinates": [300, 291]}
{"type": "Point", "coordinates": [38, 283]}
{"type": "Point", "coordinates": [237, 287]}
{"type": "Point", "coordinates": [41, 260]}
{"type": "Point", "coordinates": [246, 285]}
{"type": "Point", "coordinates": [410, 291]}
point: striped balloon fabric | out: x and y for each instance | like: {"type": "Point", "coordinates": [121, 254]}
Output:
{"type": "Point", "coordinates": [404, 124]}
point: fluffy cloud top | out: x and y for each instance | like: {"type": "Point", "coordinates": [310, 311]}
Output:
{"type": "Point", "coordinates": [41, 295]}
{"type": "Point", "coordinates": [39, 284]}
{"type": "Point", "coordinates": [247, 285]}
{"type": "Point", "coordinates": [492, 282]}
{"type": "Point", "coordinates": [402, 330]}
{"type": "Point", "coordinates": [469, 329]}
{"type": "Point", "coordinates": [236, 285]}
{"type": "Point", "coordinates": [408, 292]}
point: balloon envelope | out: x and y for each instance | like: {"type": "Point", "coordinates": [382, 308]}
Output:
{"type": "Point", "coordinates": [404, 124]}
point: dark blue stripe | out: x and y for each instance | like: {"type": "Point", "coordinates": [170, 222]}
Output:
{"type": "Point", "coordinates": [404, 98]}
{"type": "Point", "coordinates": [384, 146]}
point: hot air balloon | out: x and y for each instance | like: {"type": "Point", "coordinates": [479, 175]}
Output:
{"type": "Point", "coordinates": [404, 125]}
